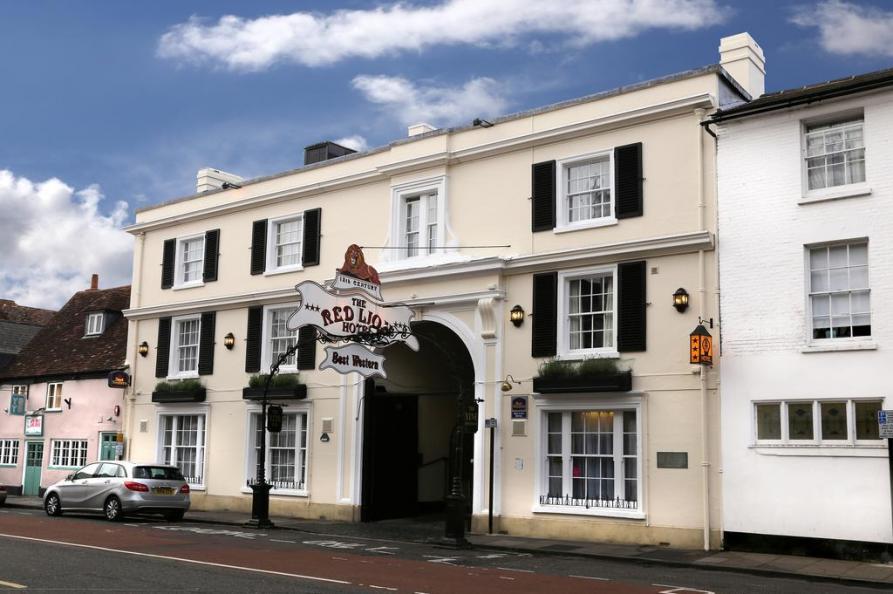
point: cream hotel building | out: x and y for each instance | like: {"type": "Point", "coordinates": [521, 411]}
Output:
{"type": "Point", "coordinates": [540, 253]}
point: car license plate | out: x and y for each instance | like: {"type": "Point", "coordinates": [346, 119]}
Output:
{"type": "Point", "coordinates": [163, 490]}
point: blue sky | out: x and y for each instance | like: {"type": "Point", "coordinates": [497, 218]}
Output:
{"type": "Point", "coordinates": [110, 106]}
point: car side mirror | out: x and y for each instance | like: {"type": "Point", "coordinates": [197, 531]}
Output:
{"type": "Point", "coordinates": [69, 477]}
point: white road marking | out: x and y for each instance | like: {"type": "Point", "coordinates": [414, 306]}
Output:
{"type": "Point", "coordinates": [134, 525]}
{"type": "Point", "coordinates": [333, 544]}
{"type": "Point", "coordinates": [181, 559]}
{"type": "Point", "coordinates": [13, 585]}
{"type": "Point", "coordinates": [520, 570]}
{"type": "Point", "coordinates": [277, 540]}
{"type": "Point", "coordinates": [382, 550]}
{"type": "Point", "coordinates": [341, 558]}
{"type": "Point", "coordinates": [382, 588]}
{"type": "Point", "coordinates": [197, 530]}
{"type": "Point", "coordinates": [505, 577]}
{"type": "Point", "coordinates": [438, 559]}
{"type": "Point", "coordinates": [676, 589]}
{"type": "Point", "coordinates": [591, 577]}
{"type": "Point", "coordinates": [492, 556]}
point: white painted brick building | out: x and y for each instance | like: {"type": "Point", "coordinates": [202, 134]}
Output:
{"type": "Point", "coordinates": [805, 225]}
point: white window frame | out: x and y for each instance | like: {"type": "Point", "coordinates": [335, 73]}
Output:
{"type": "Point", "coordinates": [69, 447]}
{"type": "Point", "coordinates": [562, 166]}
{"type": "Point", "coordinates": [817, 439]}
{"type": "Point", "coordinates": [271, 266]}
{"type": "Point", "coordinates": [9, 452]}
{"type": "Point", "coordinates": [266, 350]}
{"type": "Point", "coordinates": [844, 340]}
{"type": "Point", "coordinates": [202, 457]}
{"type": "Point", "coordinates": [547, 404]}
{"type": "Point", "coordinates": [179, 264]}
{"type": "Point", "coordinates": [54, 396]}
{"type": "Point", "coordinates": [95, 324]}
{"type": "Point", "coordinates": [173, 360]}
{"type": "Point", "coordinates": [399, 196]}
{"type": "Point", "coordinates": [845, 190]}
{"type": "Point", "coordinates": [251, 470]}
{"type": "Point", "coordinates": [564, 350]}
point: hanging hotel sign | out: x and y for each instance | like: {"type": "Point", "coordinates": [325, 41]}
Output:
{"type": "Point", "coordinates": [350, 312]}
{"type": "Point", "coordinates": [33, 425]}
{"type": "Point", "coordinates": [700, 346]}
{"type": "Point", "coordinates": [118, 379]}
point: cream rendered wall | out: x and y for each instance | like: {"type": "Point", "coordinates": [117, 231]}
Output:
{"type": "Point", "coordinates": [488, 188]}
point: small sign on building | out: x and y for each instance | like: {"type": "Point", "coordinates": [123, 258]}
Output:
{"type": "Point", "coordinates": [519, 407]}
{"type": "Point", "coordinates": [700, 346]}
{"type": "Point", "coordinates": [34, 425]}
{"type": "Point", "coordinates": [119, 379]}
{"type": "Point", "coordinates": [885, 424]}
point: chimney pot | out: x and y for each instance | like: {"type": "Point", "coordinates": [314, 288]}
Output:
{"type": "Point", "coordinates": [94, 282]}
{"type": "Point", "coordinates": [743, 59]}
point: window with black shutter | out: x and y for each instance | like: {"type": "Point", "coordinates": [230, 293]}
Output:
{"type": "Point", "coordinates": [206, 344]}
{"type": "Point", "coordinates": [162, 351]}
{"type": "Point", "coordinates": [628, 181]}
{"type": "Point", "coordinates": [543, 196]}
{"type": "Point", "coordinates": [544, 333]}
{"type": "Point", "coordinates": [169, 254]}
{"type": "Point", "coordinates": [631, 306]}
{"type": "Point", "coordinates": [259, 247]}
{"type": "Point", "coordinates": [253, 337]}
{"type": "Point", "coordinates": [312, 228]}
{"type": "Point", "coordinates": [307, 347]}
{"type": "Point", "coordinates": [212, 249]}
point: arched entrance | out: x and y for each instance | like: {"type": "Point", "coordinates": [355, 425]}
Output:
{"type": "Point", "coordinates": [410, 449]}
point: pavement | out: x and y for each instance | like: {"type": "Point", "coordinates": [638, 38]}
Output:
{"type": "Point", "coordinates": [426, 532]}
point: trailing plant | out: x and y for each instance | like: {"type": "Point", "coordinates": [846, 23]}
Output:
{"type": "Point", "coordinates": [188, 385]}
{"type": "Point", "coordinates": [592, 367]}
{"type": "Point", "coordinates": [287, 380]}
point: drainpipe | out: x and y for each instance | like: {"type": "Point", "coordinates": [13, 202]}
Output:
{"type": "Point", "coordinates": [702, 299]}
{"type": "Point", "coordinates": [136, 301]}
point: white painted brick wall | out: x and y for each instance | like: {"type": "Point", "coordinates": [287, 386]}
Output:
{"type": "Point", "coordinates": [762, 232]}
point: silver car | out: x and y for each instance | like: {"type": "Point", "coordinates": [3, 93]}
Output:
{"type": "Point", "coordinates": [119, 488]}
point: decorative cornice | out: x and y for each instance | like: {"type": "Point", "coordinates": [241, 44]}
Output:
{"type": "Point", "coordinates": [385, 172]}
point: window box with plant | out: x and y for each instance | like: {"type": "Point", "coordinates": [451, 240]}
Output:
{"type": "Point", "coordinates": [283, 387]}
{"type": "Point", "coordinates": [588, 375]}
{"type": "Point", "coordinates": [190, 390]}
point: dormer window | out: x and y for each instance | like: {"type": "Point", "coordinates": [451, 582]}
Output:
{"type": "Point", "coordinates": [95, 324]}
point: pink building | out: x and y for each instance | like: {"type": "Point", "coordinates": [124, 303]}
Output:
{"type": "Point", "coordinates": [58, 411]}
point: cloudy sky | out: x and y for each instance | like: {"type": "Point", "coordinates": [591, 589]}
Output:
{"type": "Point", "coordinates": [110, 106]}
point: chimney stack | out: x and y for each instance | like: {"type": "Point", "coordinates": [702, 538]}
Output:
{"type": "Point", "coordinates": [420, 128]}
{"type": "Point", "coordinates": [743, 59]}
{"type": "Point", "coordinates": [214, 179]}
{"type": "Point", "coordinates": [94, 282]}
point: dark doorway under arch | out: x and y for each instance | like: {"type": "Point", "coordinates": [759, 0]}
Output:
{"type": "Point", "coordinates": [409, 421]}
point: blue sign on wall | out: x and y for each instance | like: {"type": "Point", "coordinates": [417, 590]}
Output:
{"type": "Point", "coordinates": [17, 404]}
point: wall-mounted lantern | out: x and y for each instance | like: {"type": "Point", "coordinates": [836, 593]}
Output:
{"type": "Point", "coordinates": [143, 349]}
{"type": "Point", "coordinates": [700, 346]}
{"type": "Point", "coordinates": [680, 300]}
{"type": "Point", "coordinates": [229, 341]}
{"type": "Point", "coordinates": [516, 315]}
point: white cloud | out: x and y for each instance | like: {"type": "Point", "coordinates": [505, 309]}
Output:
{"type": "Point", "coordinates": [846, 28]}
{"type": "Point", "coordinates": [355, 142]}
{"type": "Point", "coordinates": [53, 238]}
{"type": "Point", "coordinates": [411, 104]}
{"type": "Point", "coordinates": [314, 39]}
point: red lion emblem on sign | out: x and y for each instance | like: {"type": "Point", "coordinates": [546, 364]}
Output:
{"type": "Point", "coordinates": [355, 265]}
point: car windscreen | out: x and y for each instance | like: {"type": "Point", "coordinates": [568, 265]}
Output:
{"type": "Point", "coordinates": [164, 473]}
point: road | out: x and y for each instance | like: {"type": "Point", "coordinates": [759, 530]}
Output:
{"type": "Point", "coordinates": [82, 553]}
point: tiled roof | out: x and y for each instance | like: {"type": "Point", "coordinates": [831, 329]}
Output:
{"type": "Point", "coordinates": [60, 348]}
{"type": "Point", "coordinates": [809, 94]}
{"type": "Point", "coordinates": [14, 336]}
{"type": "Point", "coordinates": [12, 312]}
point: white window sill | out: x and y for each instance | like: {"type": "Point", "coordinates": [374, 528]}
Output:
{"type": "Point", "coordinates": [590, 224]}
{"type": "Point", "coordinates": [580, 355]}
{"type": "Point", "coordinates": [592, 511]}
{"type": "Point", "coordinates": [845, 450]}
{"type": "Point", "coordinates": [282, 492]}
{"type": "Point", "coordinates": [53, 410]}
{"type": "Point", "coordinates": [283, 270]}
{"type": "Point", "coordinates": [426, 261]}
{"type": "Point", "coordinates": [183, 376]}
{"type": "Point", "coordinates": [836, 193]}
{"type": "Point", "coordinates": [190, 285]}
{"type": "Point", "coordinates": [834, 346]}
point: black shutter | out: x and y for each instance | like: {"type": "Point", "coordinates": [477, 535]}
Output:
{"type": "Point", "coordinates": [259, 247]}
{"type": "Point", "coordinates": [206, 344]}
{"type": "Point", "coordinates": [628, 181]}
{"type": "Point", "coordinates": [545, 315]}
{"type": "Point", "coordinates": [543, 196]}
{"type": "Point", "coordinates": [312, 220]}
{"type": "Point", "coordinates": [167, 263]}
{"type": "Point", "coordinates": [631, 306]}
{"type": "Point", "coordinates": [163, 348]}
{"type": "Point", "coordinates": [307, 347]}
{"type": "Point", "coordinates": [253, 337]}
{"type": "Point", "coordinates": [212, 249]}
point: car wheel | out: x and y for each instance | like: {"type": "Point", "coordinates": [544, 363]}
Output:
{"type": "Point", "coordinates": [174, 516]}
{"type": "Point", "coordinates": [52, 505]}
{"type": "Point", "coordinates": [112, 509]}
